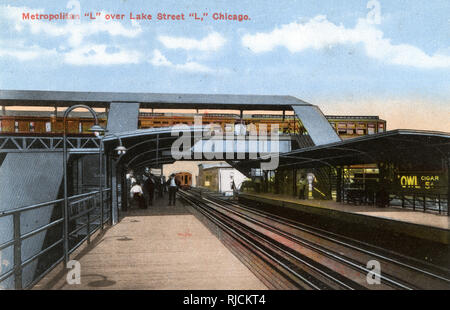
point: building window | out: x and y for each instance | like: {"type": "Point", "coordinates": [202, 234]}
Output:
{"type": "Point", "coordinates": [16, 126]}
{"type": "Point", "coordinates": [31, 126]}
{"type": "Point", "coordinates": [48, 126]}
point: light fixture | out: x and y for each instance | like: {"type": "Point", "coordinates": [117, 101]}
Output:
{"type": "Point", "coordinates": [121, 150]}
{"type": "Point", "coordinates": [97, 129]}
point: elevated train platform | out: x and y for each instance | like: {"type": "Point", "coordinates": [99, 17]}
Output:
{"type": "Point", "coordinates": [390, 213]}
{"type": "Point", "coordinates": [431, 227]}
{"type": "Point", "coordinates": [162, 247]}
{"type": "Point", "coordinates": [426, 155]}
{"type": "Point", "coordinates": [59, 207]}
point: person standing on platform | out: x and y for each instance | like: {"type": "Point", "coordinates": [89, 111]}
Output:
{"type": "Point", "coordinates": [150, 186]}
{"type": "Point", "coordinates": [164, 184]}
{"type": "Point", "coordinates": [234, 189]}
{"type": "Point", "coordinates": [138, 195]}
{"type": "Point", "coordinates": [161, 185]}
{"type": "Point", "coordinates": [173, 187]}
{"type": "Point", "coordinates": [129, 174]}
{"type": "Point", "coordinates": [311, 178]}
{"type": "Point", "coordinates": [130, 180]}
{"type": "Point", "coordinates": [302, 187]}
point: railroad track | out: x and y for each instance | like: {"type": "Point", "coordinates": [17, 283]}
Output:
{"type": "Point", "coordinates": [303, 257]}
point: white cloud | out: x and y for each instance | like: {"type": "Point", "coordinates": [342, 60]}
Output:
{"type": "Point", "coordinates": [212, 42]}
{"type": "Point", "coordinates": [193, 66]}
{"type": "Point", "coordinates": [158, 59]}
{"type": "Point", "coordinates": [20, 51]}
{"type": "Point", "coordinates": [91, 54]}
{"type": "Point", "coordinates": [73, 52]}
{"type": "Point", "coordinates": [319, 33]}
{"type": "Point", "coordinates": [74, 30]}
{"type": "Point", "coordinates": [100, 55]}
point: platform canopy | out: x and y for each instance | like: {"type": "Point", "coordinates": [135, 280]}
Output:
{"type": "Point", "coordinates": [144, 147]}
{"type": "Point", "coordinates": [149, 100]}
{"type": "Point", "coordinates": [421, 148]}
{"type": "Point", "coordinates": [152, 147]}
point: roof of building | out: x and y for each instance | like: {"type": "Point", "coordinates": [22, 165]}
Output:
{"type": "Point", "coordinates": [214, 165]}
{"type": "Point", "coordinates": [352, 117]}
{"type": "Point", "coordinates": [21, 113]}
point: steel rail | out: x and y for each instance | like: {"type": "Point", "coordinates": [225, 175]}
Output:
{"type": "Point", "coordinates": [320, 234]}
{"type": "Point", "coordinates": [315, 247]}
{"type": "Point", "coordinates": [313, 231]}
{"type": "Point", "coordinates": [234, 232]}
{"type": "Point", "coordinates": [293, 256]}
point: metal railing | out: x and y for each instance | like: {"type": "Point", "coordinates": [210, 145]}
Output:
{"type": "Point", "coordinates": [84, 220]}
{"type": "Point", "coordinates": [426, 202]}
{"type": "Point", "coordinates": [417, 201]}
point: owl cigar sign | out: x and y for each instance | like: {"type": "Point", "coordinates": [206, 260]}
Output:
{"type": "Point", "coordinates": [418, 181]}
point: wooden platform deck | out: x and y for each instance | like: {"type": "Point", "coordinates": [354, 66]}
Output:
{"type": "Point", "coordinates": [161, 248]}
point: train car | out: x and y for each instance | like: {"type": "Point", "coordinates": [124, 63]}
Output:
{"type": "Point", "coordinates": [353, 126]}
{"type": "Point", "coordinates": [227, 122]}
{"type": "Point", "coordinates": [39, 125]}
{"type": "Point", "coordinates": [185, 179]}
{"type": "Point", "coordinates": [43, 123]}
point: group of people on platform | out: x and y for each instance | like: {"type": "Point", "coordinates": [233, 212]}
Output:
{"type": "Point", "coordinates": [144, 188]}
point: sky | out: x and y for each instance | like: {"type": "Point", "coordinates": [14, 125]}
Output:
{"type": "Point", "coordinates": [386, 58]}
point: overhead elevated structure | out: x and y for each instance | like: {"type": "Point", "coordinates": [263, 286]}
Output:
{"type": "Point", "coordinates": [124, 107]}
{"type": "Point", "coordinates": [151, 147]}
{"type": "Point", "coordinates": [144, 146]}
{"type": "Point", "coordinates": [148, 100]}
{"type": "Point", "coordinates": [147, 147]}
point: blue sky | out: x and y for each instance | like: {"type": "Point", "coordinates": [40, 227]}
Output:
{"type": "Point", "coordinates": [389, 58]}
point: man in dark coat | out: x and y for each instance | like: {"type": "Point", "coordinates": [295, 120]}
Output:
{"type": "Point", "coordinates": [302, 185]}
{"type": "Point", "coordinates": [173, 184]}
{"type": "Point", "coordinates": [150, 186]}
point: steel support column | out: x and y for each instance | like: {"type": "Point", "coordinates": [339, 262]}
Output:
{"type": "Point", "coordinates": [66, 199]}
{"type": "Point", "coordinates": [101, 176]}
{"type": "Point", "coordinates": [338, 184]}
{"type": "Point", "coordinates": [114, 196]}
{"type": "Point", "coordinates": [448, 186]}
{"type": "Point", "coordinates": [17, 252]}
